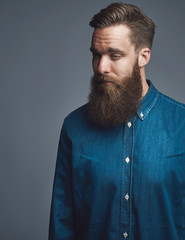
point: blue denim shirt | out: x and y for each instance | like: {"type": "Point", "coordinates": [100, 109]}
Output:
{"type": "Point", "coordinates": [126, 182]}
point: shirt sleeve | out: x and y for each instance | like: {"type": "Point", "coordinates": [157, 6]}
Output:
{"type": "Point", "coordinates": [62, 224]}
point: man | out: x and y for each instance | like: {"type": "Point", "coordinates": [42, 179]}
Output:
{"type": "Point", "coordinates": [120, 171]}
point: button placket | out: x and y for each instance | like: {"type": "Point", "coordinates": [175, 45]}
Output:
{"type": "Point", "coordinates": [126, 176]}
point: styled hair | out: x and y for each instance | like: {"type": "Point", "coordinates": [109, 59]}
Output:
{"type": "Point", "coordinates": [141, 26]}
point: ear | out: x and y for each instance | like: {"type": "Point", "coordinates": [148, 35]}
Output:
{"type": "Point", "coordinates": [144, 57]}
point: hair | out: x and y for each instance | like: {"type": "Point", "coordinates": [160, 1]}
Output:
{"type": "Point", "coordinates": [142, 27]}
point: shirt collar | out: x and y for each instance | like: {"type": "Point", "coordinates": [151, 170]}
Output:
{"type": "Point", "coordinates": [148, 102]}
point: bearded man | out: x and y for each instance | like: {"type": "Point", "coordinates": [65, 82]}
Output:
{"type": "Point", "coordinates": [120, 171]}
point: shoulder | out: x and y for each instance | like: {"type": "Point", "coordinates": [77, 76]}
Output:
{"type": "Point", "coordinates": [171, 104]}
{"type": "Point", "coordinates": [172, 111]}
{"type": "Point", "coordinates": [77, 119]}
{"type": "Point", "coordinates": [76, 115]}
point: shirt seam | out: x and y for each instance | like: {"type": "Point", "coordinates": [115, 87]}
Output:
{"type": "Point", "coordinates": [181, 105]}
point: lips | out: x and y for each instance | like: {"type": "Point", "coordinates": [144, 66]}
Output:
{"type": "Point", "coordinates": [106, 82]}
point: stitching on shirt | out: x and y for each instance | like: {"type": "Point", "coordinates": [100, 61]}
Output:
{"type": "Point", "coordinates": [173, 101]}
{"type": "Point", "coordinates": [151, 106]}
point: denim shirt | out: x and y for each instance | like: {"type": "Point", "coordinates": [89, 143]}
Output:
{"type": "Point", "coordinates": [125, 182]}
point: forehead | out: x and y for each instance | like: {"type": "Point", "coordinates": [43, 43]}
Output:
{"type": "Point", "coordinates": [114, 36]}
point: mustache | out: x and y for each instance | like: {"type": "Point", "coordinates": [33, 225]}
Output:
{"type": "Point", "coordinates": [98, 79]}
{"type": "Point", "coordinates": [116, 83]}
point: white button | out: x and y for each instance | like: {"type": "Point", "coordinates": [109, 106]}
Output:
{"type": "Point", "coordinates": [129, 124]}
{"type": "Point", "coordinates": [127, 160]}
{"type": "Point", "coordinates": [125, 234]}
{"type": "Point", "coordinates": [141, 115]}
{"type": "Point", "coordinates": [127, 197]}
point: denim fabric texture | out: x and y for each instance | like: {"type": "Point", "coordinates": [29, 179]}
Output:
{"type": "Point", "coordinates": [125, 182]}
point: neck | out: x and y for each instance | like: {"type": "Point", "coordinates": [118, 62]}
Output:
{"type": "Point", "coordinates": [144, 82]}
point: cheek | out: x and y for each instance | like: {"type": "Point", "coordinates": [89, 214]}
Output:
{"type": "Point", "coordinates": [123, 69]}
{"type": "Point", "coordinates": [120, 70]}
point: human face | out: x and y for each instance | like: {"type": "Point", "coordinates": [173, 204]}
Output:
{"type": "Point", "coordinates": [113, 53]}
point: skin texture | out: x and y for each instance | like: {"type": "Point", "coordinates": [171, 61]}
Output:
{"type": "Point", "coordinates": [114, 55]}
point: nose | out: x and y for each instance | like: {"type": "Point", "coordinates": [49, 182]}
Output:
{"type": "Point", "coordinates": [103, 65]}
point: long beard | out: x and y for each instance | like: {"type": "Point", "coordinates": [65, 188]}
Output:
{"type": "Point", "coordinates": [114, 102]}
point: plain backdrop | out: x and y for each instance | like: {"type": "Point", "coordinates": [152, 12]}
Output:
{"type": "Point", "coordinates": [45, 67]}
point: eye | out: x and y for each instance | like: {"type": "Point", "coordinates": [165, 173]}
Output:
{"type": "Point", "coordinates": [115, 56]}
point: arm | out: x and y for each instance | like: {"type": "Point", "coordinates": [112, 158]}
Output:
{"type": "Point", "coordinates": [62, 224]}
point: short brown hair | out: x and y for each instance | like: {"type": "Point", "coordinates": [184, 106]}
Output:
{"type": "Point", "coordinates": [142, 27]}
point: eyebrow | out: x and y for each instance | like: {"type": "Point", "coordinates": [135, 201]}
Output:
{"type": "Point", "coordinates": [109, 50]}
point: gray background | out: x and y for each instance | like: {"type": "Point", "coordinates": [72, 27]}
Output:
{"type": "Point", "coordinates": [45, 67]}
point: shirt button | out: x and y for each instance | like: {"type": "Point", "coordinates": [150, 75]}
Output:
{"type": "Point", "coordinates": [125, 235]}
{"type": "Point", "coordinates": [141, 115]}
{"type": "Point", "coordinates": [129, 124]}
{"type": "Point", "coordinates": [127, 160]}
{"type": "Point", "coordinates": [127, 197]}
